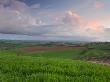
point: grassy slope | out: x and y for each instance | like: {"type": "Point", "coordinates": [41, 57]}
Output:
{"type": "Point", "coordinates": [68, 53]}
{"type": "Point", "coordinates": [99, 50]}
{"type": "Point", "coordinates": [17, 68]}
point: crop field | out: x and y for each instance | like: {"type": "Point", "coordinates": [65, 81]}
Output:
{"type": "Point", "coordinates": [15, 68]}
{"type": "Point", "coordinates": [26, 61]}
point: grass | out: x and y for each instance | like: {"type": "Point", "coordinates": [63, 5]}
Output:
{"type": "Point", "coordinates": [66, 53]}
{"type": "Point", "coordinates": [14, 68]}
{"type": "Point", "coordinates": [94, 49]}
{"type": "Point", "coordinates": [74, 53]}
{"type": "Point", "coordinates": [52, 65]}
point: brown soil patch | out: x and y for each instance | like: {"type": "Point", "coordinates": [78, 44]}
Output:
{"type": "Point", "coordinates": [44, 48]}
{"type": "Point", "coordinates": [102, 60]}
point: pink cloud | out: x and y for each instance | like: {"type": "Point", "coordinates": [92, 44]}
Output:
{"type": "Point", "coordinates": [80, 25]}
{"type": "Point", "coordinates": [73, 18]}
{"type": "Point", "coordinates": [95, 25]}
{"type": "Point", "coordinates": [98, 5]}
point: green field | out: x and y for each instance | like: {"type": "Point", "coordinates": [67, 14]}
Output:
{"type": "Point", "coordinates": [68, 65]}
{"type": "Point", "coordinates": [15, 68]}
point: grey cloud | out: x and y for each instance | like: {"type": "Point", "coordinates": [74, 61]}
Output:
{"type": "Point", "coordinates": [16, 18]}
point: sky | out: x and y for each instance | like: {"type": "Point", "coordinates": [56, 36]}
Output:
{"type": "Point", "coordinates": [60, 20]}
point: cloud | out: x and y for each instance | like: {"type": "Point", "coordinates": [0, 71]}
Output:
{"type": "Point", "coordinates": [76, 25]}
{"type": "Point", "coordinates": [73, 19]}
{"type": "Point", "coordinates": [17, 17]}
{"type": "Point", "coordinates": [98, 4]}
{"type": "Point", "coordinates": [35, 6]}
{"type": "Point", "coordinates": [95, 25]}
{"type": "Point", "coordinates": [82, 24]}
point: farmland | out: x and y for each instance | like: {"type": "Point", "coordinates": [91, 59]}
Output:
{"type": "Point", "coordinates": [30, 61]}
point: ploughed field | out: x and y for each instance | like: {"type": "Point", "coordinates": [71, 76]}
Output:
{"type": "Point", "coordinates": [25, 61]}
{"type": "Point", "coordinates": [44, 48]}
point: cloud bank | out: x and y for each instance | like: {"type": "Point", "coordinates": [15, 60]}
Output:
{"type": "Point", "coordinates": [16, 17]}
